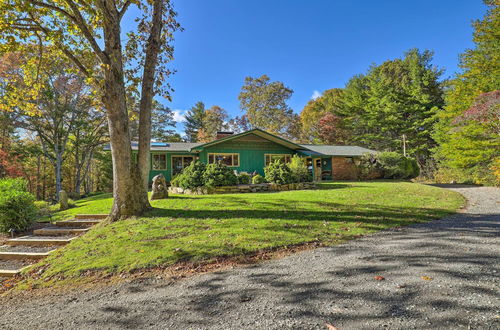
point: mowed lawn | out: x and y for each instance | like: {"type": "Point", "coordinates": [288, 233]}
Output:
{"type": "Point", "coordinates": [199, 228]}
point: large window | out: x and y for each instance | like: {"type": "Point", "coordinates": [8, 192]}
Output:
{"type": "Point", "coordinates": [226, 159]}
{"type": "Point", "coordinates": [179, 163]}
{"type": "Point", "coordinates": [159, 162]}
{"type": "Point", "coordinates": [270, 158]}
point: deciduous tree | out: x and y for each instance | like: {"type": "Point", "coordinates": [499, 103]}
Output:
{"type": "Point", "coordinates": [90, 32]}
{"type": "Point", "coordinates": [265, 104]}
{"type": "Point", "coordinates": [467, 130]}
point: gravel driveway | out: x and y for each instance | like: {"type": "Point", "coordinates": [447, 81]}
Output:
{"type": "Point", "coordinates": [442, 274]}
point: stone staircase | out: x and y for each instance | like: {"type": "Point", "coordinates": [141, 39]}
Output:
{"type": "Point", "coordinates": [20, 252]}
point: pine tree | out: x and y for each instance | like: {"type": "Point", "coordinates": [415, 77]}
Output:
{"type": "Point", "coordinates": [194, 121]}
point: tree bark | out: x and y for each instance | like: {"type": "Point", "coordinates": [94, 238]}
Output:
{"type": "Point", "coordinates": [147, 93]}
{"type": "Point", "coordinates": [128, 200]}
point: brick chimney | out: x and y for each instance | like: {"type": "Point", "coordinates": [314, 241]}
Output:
{"type": "Point", "coordinates": [221, 135]}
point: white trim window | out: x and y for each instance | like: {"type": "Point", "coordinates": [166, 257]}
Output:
{"type": "Point", "coordinates": [159, 162]}
{"type": "Point", "coordinates": [284, 158]}
{"type": "Point", "coordinates": [180, 162]}
{"type": "Point", "coordinates": [231, 160]}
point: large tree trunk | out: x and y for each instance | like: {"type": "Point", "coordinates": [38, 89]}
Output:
{"type": "Point", "coordinates": [128, 200]}
{"type": "Point", "coordinates": [58, 169]}
{"type": "Point", "coordinates": [147, 93]}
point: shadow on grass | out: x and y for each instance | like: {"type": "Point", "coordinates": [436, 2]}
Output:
{"type": "Point", "coordinates": [333, 212]}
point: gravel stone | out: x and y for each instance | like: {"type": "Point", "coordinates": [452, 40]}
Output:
{"type": "Point", "coordinates": [439, 275]}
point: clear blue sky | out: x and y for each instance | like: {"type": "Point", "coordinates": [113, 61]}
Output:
{"type": "Point", "coordinates": [310, 45]}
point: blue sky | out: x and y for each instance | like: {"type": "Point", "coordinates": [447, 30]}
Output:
{"type": "Point", "coordinates": [310, 45]}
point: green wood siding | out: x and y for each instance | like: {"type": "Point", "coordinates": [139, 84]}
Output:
{"type": "Point", "coordinates": [168, 172]}
{"type": "Point", "coordinates": [252, 152]}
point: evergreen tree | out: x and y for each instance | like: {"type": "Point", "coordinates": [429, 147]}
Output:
{"type": "Point", "coordinates": [194, 121]}
{"type": "Point", "coordinates": [399, 97]}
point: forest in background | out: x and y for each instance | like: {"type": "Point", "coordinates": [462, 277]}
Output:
{"type": "Point", "coordinates": [450, 126]}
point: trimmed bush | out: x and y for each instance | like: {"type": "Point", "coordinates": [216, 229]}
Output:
{"type": "Point", "coordinates": [218, 174]}
{"type": "Point", "coordinates": [257, 179]}
{"type": "Point", "coordinates": [278, 172]}
{"type": "Point", "coordinates": [17, 206]}
{"type": "Point", "coordinates": [298, 168]}
{"type": "Point", "coordinates": [244, 178]}
{"type": "Point", "coordinates": [191, 177]}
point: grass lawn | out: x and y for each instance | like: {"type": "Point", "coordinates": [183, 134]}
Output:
{"type": "Point", "coordinates": [200, 228]}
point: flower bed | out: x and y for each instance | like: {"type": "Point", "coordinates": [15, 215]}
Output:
{"type": "Point", "coordinates": [242, 188]}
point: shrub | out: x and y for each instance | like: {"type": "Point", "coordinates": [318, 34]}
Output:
{"type": "Point", "coordinates": [278, 172]}
{"type": "Point", "coordinates": [298, 169]}
{"type": "Point", "coordinates": [9, 184]}
{"type": "Point", "coordinates": [391, 164]}
{"type": "Point", "coordinates": [191, 177]}
{"type": "Point", "coordinates": [257, 179]}
{"type": "Point", "coordinates": [244, 178]}
{"type": "Point", "coordinates": [218, 174]}
{"type": "Point", "coordinates": [17, 205]}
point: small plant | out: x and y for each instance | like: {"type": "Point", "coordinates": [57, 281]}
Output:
{"type": "Point", "coordinates": [244, 178]}
{"type": "Point", "coordinates": [298, 168]}
{"type": "Point", "coordinates": [191, 177]}
{"type": "Point", "coordinates": [218, 174]}
{"type": "Point", "coordinates": [278, 172]}
{"type": "Point", "coordinates": [17, 206]}
{"type": "Point", "coordinates": [257, 179]}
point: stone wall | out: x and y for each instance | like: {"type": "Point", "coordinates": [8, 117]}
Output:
{"type": "Point", "coordinates": [242, 188]}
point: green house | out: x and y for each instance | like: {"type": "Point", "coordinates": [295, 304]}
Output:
{"type": "Point", "coordinates": [251, 151]}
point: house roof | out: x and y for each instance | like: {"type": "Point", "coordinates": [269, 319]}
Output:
{"type": "Point", "coordinates": [258, 132]}
{"type": "Point", "coordinates": [305, 149]}
{"type": "Point", "coordinates": [348, 151]}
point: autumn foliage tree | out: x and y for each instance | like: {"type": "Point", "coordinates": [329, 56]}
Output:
{"type": "Point", "coordinates": [89, 34]}
{"type": "Point", "coordinates": [467, 127]}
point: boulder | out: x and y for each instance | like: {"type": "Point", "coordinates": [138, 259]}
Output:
{"type": "Point", "coordinates": [63, 200]}
{"type": "Point", "coordinates": [160, 189]}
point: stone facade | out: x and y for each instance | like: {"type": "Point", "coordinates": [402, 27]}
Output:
{"type": "Point", "coordinates": [242, 188]}
{"type": "Point", "coordinates": [344, 168]}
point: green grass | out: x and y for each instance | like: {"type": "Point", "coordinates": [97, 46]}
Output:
{"type": "Point", "coordinates": [200, 228]}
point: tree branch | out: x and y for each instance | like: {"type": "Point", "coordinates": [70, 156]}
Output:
{"type": "Point", "coordinates": [124, 9]}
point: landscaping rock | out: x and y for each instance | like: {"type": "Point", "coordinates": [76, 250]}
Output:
{"type": "Point", "coordinates": [63, 200]}
{"type": "Point", "coordinates": [160, 189]}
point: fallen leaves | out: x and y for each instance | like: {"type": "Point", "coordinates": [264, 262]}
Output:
{"type": "Point", "coordinates": [330, 327]}
{"type": "Point", "coordinates": [379, 278]}
{"type": "Point", "coordinates": [426, 278]}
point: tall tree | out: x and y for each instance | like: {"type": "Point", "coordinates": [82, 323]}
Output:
{"type": "Point", "coordinates": [327, 103]}
{"type": "Point", "coordinates": [86, 32]}
{"type": "Point", "coordinates": [468, 142]}
{"type": "Point", "coordinates": [397, 98]}
{"type": "Point", "coordinates": [214, 120]}
{"type": "Point", "coordinates": [238, 124]}
{"type": "Point", "coordinates": [264, 103]}
{"type": "Point", "coordinates": [194, 121]}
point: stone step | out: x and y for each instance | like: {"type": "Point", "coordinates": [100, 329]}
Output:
{"type": "Point", "coordinates": [10, 268]}
{"type": "Point", "coordinates": [78, 223]}
{"type": "Point", "coordinates": [58, 231]}
{"type": "Point", "coordinates": [39, 240]}
{"type": "Point", "coordinates": [91, 216]}
{"type": "Point", "coordinates": [9, 273]}
{"type": "Point", "coordinates": [23, 255]}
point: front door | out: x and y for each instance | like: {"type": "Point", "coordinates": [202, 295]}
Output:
{"type": "Point", "coordinates": [317, 169]}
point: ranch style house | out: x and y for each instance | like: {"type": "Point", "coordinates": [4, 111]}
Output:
{"type": "Point", "coordinates": [251, 151]}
